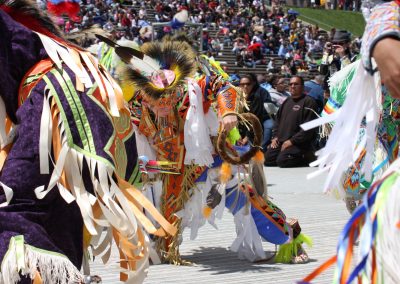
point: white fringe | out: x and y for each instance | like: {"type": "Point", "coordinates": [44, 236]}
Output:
{"type": "Point", "coordinates": [53, 267]}
{"type": "Point", "coordinates": [339, 78]}
{"type": "Point", "coordinates": [343, 147]}
{"type": "Point", "coordinates": [248, 243]}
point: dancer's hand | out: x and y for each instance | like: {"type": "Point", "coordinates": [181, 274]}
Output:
{"type": "Point", "coordinates": [229, 122]}
{"type": "Point", "coordinates": [387, 57]}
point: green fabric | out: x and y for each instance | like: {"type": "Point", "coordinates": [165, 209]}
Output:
{"type": "Point", "coordinates": [135, 177]}
{"type": "Point", "coordinates": [18, 243]}
{"type": "Point", "coordinates": [78, 111]}
{"type": "Point", "coordinates": [339, 92]}
{"type": "Point", "coordinates": [106, 56]}
{"type": "Point", "coordinates": [234, 136]}
{"type": "Point", "coordinates": [287, 251]}
{"type": "Point", "coordinates": [384, 190]}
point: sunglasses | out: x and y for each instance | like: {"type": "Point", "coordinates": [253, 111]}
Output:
{"type": "Point", "coordinates": [245, 84]}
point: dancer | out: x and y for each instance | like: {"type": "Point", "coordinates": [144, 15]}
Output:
{"type": "Point", "coordinates": [178, 115]}
{"type": "Point", "coordinates": [67, 149]}
{"type": "Point", "coordinates": [376, 221]}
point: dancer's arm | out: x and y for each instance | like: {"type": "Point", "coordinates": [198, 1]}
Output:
{"type": "Point", "coordinates": [221, 91]}
{"type": "Point", "coordinates": [381, 40]}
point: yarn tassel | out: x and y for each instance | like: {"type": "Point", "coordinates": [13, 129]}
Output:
{"type": "Point", "coordinates": [226, 172]}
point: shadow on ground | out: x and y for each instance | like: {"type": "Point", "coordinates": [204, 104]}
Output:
{"type": "Point", "coordinates": [219, 260]}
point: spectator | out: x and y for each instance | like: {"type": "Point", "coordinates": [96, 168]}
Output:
{"type": "Point", "coordinates": [291, 146]}
{"type": "Point", "coordinates": [216, 45]}
{"type": "Point", "coordinates": [258, 57]}
{"type": "Point", "coordinates": [278, 91]}
{"type": "Point", "coordinates": [297, 55]}
{"type": "Point", "coordinates": [336, 55]}
{"type": "Point", "coordinates": [271, 66]}
{"type": "Point", "coordinates": [313, 88]}
{"type": "Point", "coordinates": [283, 49]}
{"type": "Point", "coordinates": [263, 82]}
{"type": "Point", "coordinates": [256, 96]}
{"type": "Point", "coordinates": [310, 60]}
{"type": "Point", "coordinates": [285, 69]}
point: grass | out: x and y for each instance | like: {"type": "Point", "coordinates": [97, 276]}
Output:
{"type": "Point", "coordinates": [327, 19]}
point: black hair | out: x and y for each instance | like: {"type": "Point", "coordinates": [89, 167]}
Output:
{"type": "Point", "coordinates": [253, 79]}
{"type": "Point", "coordinates": [301, 79]}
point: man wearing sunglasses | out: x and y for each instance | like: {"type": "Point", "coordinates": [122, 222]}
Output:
{"type": "Point", "coordinates": [291, 146]}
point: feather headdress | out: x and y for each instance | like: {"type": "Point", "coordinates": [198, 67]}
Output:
{"type": "Point", "coordinates": [159, 68]}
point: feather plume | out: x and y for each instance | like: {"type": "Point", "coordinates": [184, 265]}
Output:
{"type": "Point", "coordinates": [213, 197]}
{"type": "Point", "coordinates": [136, 59]}
{"type": "Point", "coordinates": [257, 177]}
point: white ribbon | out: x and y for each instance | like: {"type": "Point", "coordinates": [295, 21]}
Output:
{"type": "Point", "coordinates": [198, 144]}
{"type": "Point", "coordinates": [46, 127]}
{"type": "Point", "coordinates": [343, 147]}
{"type": "Point", "coordinates": [8, 193]}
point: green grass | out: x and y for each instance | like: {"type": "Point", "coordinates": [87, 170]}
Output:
{"type": "Point", "coordinates": [327, 19]}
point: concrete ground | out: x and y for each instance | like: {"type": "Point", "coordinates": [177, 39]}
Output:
{"type": "Point", "coordinates": [321, 217]}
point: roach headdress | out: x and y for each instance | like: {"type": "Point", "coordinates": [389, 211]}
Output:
{"type": "Point", "coordinates": [159, 68]}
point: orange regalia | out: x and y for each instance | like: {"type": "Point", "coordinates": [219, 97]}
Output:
{"type": "Point", "coordinates": [180, 101]}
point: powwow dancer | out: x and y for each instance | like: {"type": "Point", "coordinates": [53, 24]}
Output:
{"type": "Point", "coordinates": [376, 221]}
{"type": "Point", "coordinates": [67, 147]}
{"type": "Point", "coordinates": [352, 184]}
{"type": "Point", "coordinates": [176, 115]}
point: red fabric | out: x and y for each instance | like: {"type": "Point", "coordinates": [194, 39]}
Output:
{"type": "Point", "coordinates": [125, 22]}
{"type": "Point", "coordinates": [28, 22]}
{"type": "Point", "coordinates": [69, 8]}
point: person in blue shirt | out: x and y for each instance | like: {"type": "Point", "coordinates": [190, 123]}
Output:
{"type": "Point", "coordinates": [283, 49]}
{"type": "Point", "coordinates": [313, 88]}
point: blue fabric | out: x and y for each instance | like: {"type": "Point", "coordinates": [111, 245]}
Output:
{"type": "Point", "coordinates": [314, 90]}
{"type": "Point", "coordinates": [217, 163]}
{"type": "Point", "coordinates": [176, 24]}
{"type": "Point", "coordinates": [268, 230]}
{"type": "Point", "coordinates": [268, 126]}
{"type": "Point", "coordinates": [282, 51]}
{"type": "Point", "coordinates": [235, 200]}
